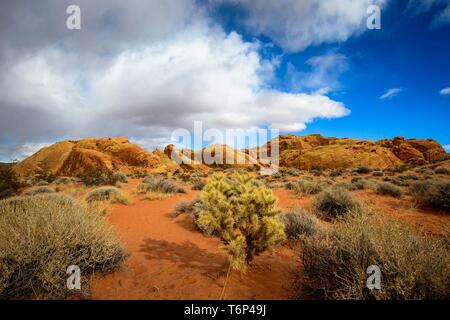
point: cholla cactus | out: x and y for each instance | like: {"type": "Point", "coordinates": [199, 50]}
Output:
{"type": "Point", "coordinates": [244, 216]}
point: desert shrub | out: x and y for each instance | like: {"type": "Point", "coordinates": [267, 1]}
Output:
{"type": "Point", "coordinates": [290, 185]}
{"type": "Point", "coordinates": [317, 172]}
{"type": "Point", "coordinates": [435, 194]}
{"type": "Point", "coordinates": [39, 190]}
{"type": "Point", "coordinates": [308, 187]}
{"type": "Point", "coordinates": [65, 180]}
{"type": "Point", "coordinates": [41, 236]}
{"type": "Point", "coordinates": [118, 177]}
{"type": "Point", "coordinates": [361, 170]}
{"type": "Point", "coordinates": [182, 207]}
{"type": "Point", "coordinates": [152, 196]}
{"type": "Point", "coordinates": [347, 186]}
{"type": "Point", "coordinates": [199, 185]}
{"type": "Point", "coordinates": [441, 170]}
{"type": "Point", "coordinates": [293, 172]}
{"type": "Point", "coordinates": [107, 193]}
{"type": "Point", "coordinates": [9, 181]}
{"type": "Point", "coordinates": [186, 206]}
{"type": "Point", "coordinates": [360, 184]}
{"type": "Point", "coordinates": [336, 172]}
{"type": "Point", "coordinates": [397, 169]}
{"type": "Point", "coordinates": [244, 216]}
{"type": "Point", "coordinates": [47, 177]}
{"type": "Point", "coordinates": [400, 182]}
{"type": "Point", "coordinates": [298, 222]}
{"type": "Point", "coordinates": [386, 188]}
{"type": "Point", "coordinates": [378, 173]}
{"type": "Point", "coordinates": [412, 266]}
{"type": "Point", "coordinates": [160, 184]}
{"type": "Point", "coordinates": [409, 176]}
{"type": "Point", "coordinates": [94, 177]}
{"type": "Point", "coordinates": [334, 203]}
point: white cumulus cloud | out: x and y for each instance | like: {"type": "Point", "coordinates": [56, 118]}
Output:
{"type": "Point", "coordinates": [296, 25]}
{"type": "Point", "coordinates": [143, 85]}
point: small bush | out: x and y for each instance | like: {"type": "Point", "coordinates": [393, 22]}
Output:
{"type": "Point", "coordinates": [347, 186]}
{"type": "Point", "coordinates": [293, 172]}
{"type": "Point", "coordinates": [386, 188]}
{"type": "Point", "coordinates": [118, 177]}
{"type": "Point", "coordinates": [94, 177]}
{"type": "Point", "coordinates": [361, 170]}
{"type": "Point", "coordinates": [152, 196]}
{"type": "Point", "coordinates": [378, 173]}
{"type": "Point", "coordinates": [412, 267]}
{"type": "Point", "coordinates": [65, 180]}
{"type": "Point", "coordinates": [334, 203]}
{"type": "Point", "coordinates": [160, 184]}
{"type": "Point", "coordinates": [297, 222]}
{"type": "Point", "coordinates": [9, 182]}
{"type": "Point", "coordinates": [336, 172]}
{"type": "Point", "coordinates": [317, 172]}
{"type": "Point", "coordinates": [39, 190]}
{"type": "Point", "coordinates": [441, 170]}
{"type": "Point", "coordinates": [360, 183]}
{"type": "Point", "coordinates": [199, 185]}
{"type": "Point", "coordinates": [307, 187]}
{"type": "Point", "coordinates": [41, 236]}
{"type": "Point", "coordinates": [107, 193]}
{"type": "Point", "coordinates": [435, 194]}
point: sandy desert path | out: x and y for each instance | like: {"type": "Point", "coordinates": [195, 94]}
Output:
{"type": "Point", "coordinates": [168, 258]}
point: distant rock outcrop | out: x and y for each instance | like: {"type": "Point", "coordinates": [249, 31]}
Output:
{"type": "Point", "coordinates": [316, 151]}
{"type": "Point", "coordinates": [71, 158]}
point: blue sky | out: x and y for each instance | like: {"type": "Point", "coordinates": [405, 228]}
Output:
{"type": "Point", "coordinates": [145, 69]}
{"type": "Point", "coordinates": [408, 53]}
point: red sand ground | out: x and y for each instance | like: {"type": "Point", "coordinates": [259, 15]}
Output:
{"type": "Point", "coordinates": [170, 259]}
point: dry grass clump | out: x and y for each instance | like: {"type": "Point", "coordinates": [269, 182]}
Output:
{"type": "Point", "coordinates": [377, 173]}
{"type": "Point", "coordinates": [160, 184]}
{"type": "Point", "coordinates": [298, 222]}
{"type": "Point", "coordinates": [386, 188]}
{"type": "Point", "coordinates": [307, 187]}
{"type": "Point", "coordinates": [360, 183]}
{"type": "Point", "coordinates": [442, 170]}
{"type": "Point", "coordinates": [336, 172]}
{"type": "Point", "coordinates": [152, 196]}
{"type": "Point", "coordinates": [432, 193]}
{"type": "Point", "coordinates": [41, 236]}
{"type": "Point", "coordinates": [334, 203]}
{"type": "Point", "coordinates": [186, 207]}
{"type": "Point", "coordinates": [65, 180]}
{"type": "Point", "coordinates": [199, 185]}
{"type": "Point", "coordinates": [118, 177]}
{"type": "Point", "coordinates": [108, 194]}
{"type": "Point", "coordinates": [9, 181]}
{"type": "Point", "coordinates": [361, 170]}
{"type": "Point", "coordinates": [412, 266]}
{"type": "Point", "coordinates": [39, 190]}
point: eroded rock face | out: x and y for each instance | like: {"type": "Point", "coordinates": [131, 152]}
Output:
{"type": "Point", "coordinates": [315, 151]}
{"type": "Point", "coordinates": [71, 158]}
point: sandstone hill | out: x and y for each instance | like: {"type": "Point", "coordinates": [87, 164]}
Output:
{"type": "Point", "coordinates": [71, 158]}
{"type": "Point", "coordinates": [316, 151]}
{"type": "Point", "coordinates": [213, 156]}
